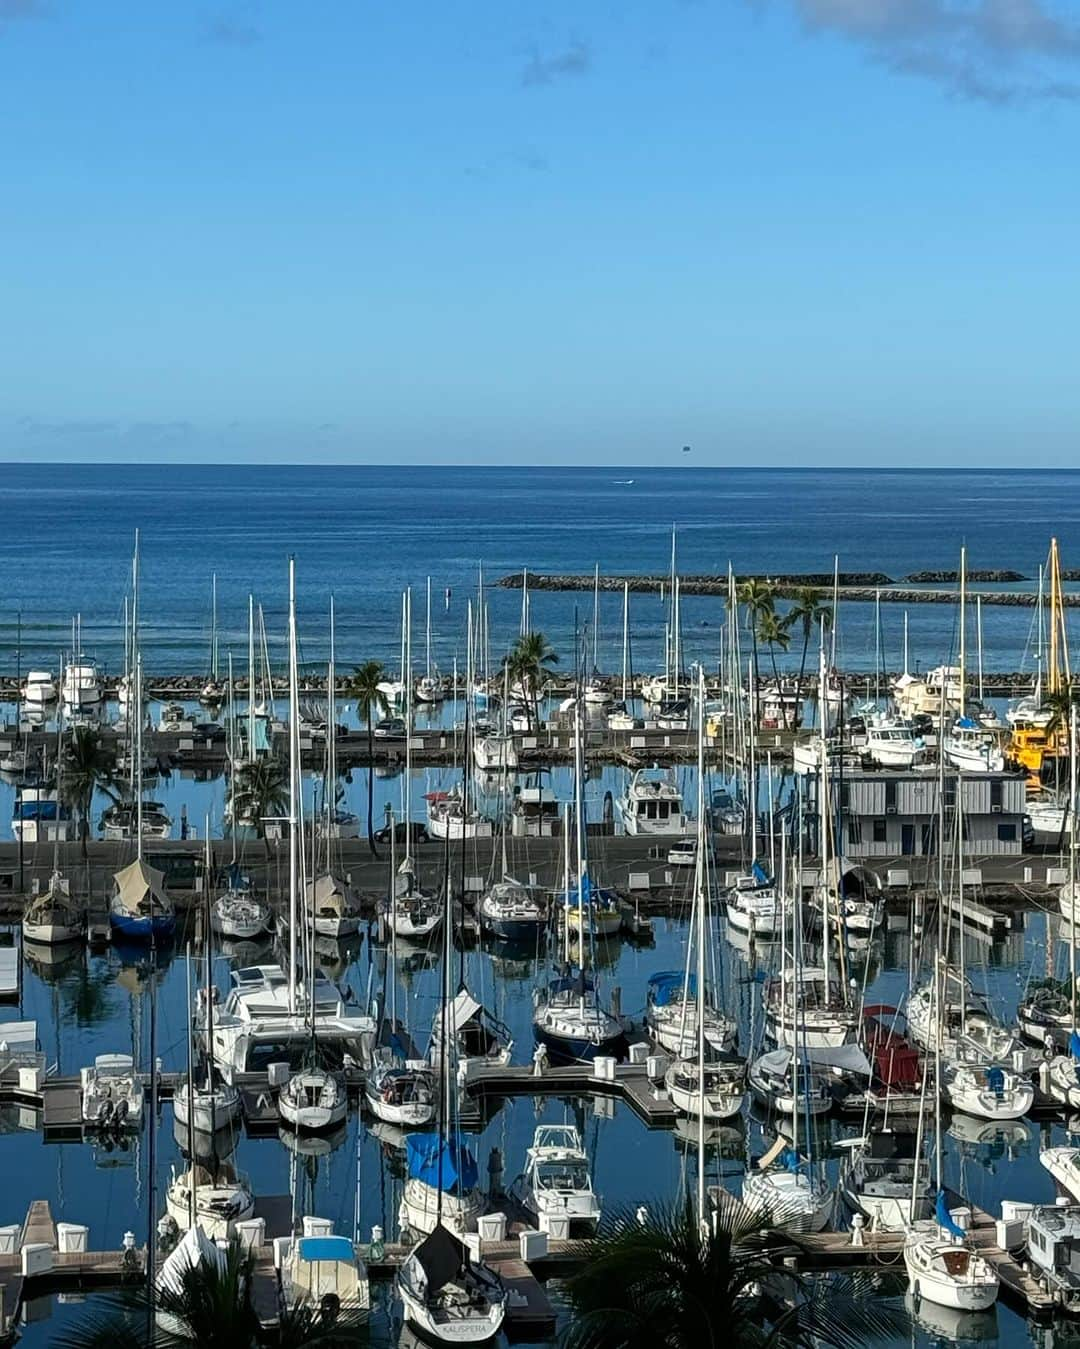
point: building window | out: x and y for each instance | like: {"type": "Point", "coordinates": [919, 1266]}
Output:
{"type": "Point", "coordinates": [881, 831]}
{"type": "Point", "coordinates": [1006, 833]}
{"type": "Point", "coordinates": [845, 795]}
{"type": "Point", "coordinates": [995, 794]}
{"type": "Point", "coordinates": [854, 831]}
{"type": "Point", "coordinates": [890, 796]}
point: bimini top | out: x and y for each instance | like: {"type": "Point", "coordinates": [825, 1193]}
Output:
{"type": "Point", "coordinates": [668, 987]}
{"type": "Point", "coordinates": [326, 1248]}
{"type": "Point", "coordinates": [459, 1171]}
{"type": "Point", "coordinates": [141, 890]}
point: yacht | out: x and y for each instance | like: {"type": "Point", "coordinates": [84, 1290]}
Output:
{"type": "Point", "coordinates": [222, 1198]}
{"type": "Point", "coordinates": [121, 821]}
{"type": "Point", "coordinates": [401, 1093]}
{"type": "Point", "coordinates": [257, 1026]}
{"type": "Point", "coordinates": [214, 1105]}
{"type": "Point", "coordinates": [886, 1181]}
{"type": "Point", "coordinates": [54, 917]}
{"type": "Point", "coordinates": [39, 689]}
{"type": "Point", "coordinates": [472, 1034]}
{"type": "Point", "coordinates": [495, 753]}
{"type": "Point", "coordinates": [239, 914]}
{"type": "Point", "coordinates": [968, 745]}
{"type": "Point", "coordinates": [81, 684]}
{"type": "Point", "coordinates": [780, 1085]}
{"type": "Point", "coordinates": [796, 1198]}
{"type": "Point", "coordinates": [1053, 1248]}
{"type": "Point", "coordinates": [39, 816]}
{"type": "Point", "coordinates": [754, 905]}
{"type": "Point", "coordinates": [722, 1094]}
{"type": "Point", "coordinates": [941, 1268]}
{"type": "Point", "coordinates": [449, 1296]}
{"type": "Point", "coordinates": [555, 1182]}
{"type": "Point", "coordinates": [593, 907]}
{"type": "Point", "coordinates": [140, 910]}
{"type": "Point", "coordinates": [535, 812]}
{"type": "Point", "coordinates": [987, 1091]}
{"type": "Point", "coordinates": [449, 818]}
{"type": "Point", "coordinates": [891, 743]}
{"type": "Point", "coordinates": [671, 1015]}
{"type": "Point", "coordinates": [313, 1100]}
{"type": "Point", "coordinates": [569, 1020]}
{"type": "Point", "coordinates": [652, 805]}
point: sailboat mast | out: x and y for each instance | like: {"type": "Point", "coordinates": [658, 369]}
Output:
{"type": "Point", "coordinates": [963, 627]}
{"type": "Point", "coordinates": [294, 786]}
{"type": "Point", "coordinates": [979, 641]}
{"type": "Point", "coordinates": [138, 754]}
{"type": "Point", "coordinates": [625, 637]}
{"type": "Point", "coordinates": [699, 896]}
{"type": "Point", "coordinates": [213, 628]}
{"type": "Point", "coordinates": [330, 790]}
{"type": "Point", "coordinates": [427, 633]}
{"type": "Point", "coordinates": [1072, 863]}
{"type": "Point", "coordinates": [596, 619]}
{"type": "Point", "coordinates": [251, 680]}
{"type": "Point", "coordinates": [524, 601]}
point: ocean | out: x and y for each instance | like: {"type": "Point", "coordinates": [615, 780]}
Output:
{"type": "Point", "coordinates": [362, 534]}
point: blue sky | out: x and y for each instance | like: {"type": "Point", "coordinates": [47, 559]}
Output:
{"type": "Point", "coordinates": [779, 231]}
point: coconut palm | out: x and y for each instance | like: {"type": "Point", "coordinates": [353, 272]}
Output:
{"type": "Point", "coordinates": [531, 664]}
{"type": "Point", "coordinates": [664, 1282]}
{"type": "Point", "coordinates": [1060, 703]}
{"type": "Point", "coordinates": [87, 764]}
{"type": "Point", "coordinates": [757, 599]}
{"type": "Point", "coordinates": [773, 631]}
{"type": "Point", "coordinates": [260, 790]}
{"type": "Point", "coordinates": [211, 1307]}
{"type": "Point", "coordinates": [808, 612]}
{"type": "Point", "coordinates": [371, 703]}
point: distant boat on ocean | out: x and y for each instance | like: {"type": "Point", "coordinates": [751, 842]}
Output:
{"type": "Point", "coordinates": [623, 482]}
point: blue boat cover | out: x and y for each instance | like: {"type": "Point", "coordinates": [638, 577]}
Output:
{"type": "Point", "coordinates": [590, 895]}
{"type": "Point", "coordinates": [668, 986]}
{"type": "Point", "coordinates": [966, 723]}
{"type": "Point", "coordinates": [759, 874]}
{"type": "Point", "coordinates": [789, 1159]}
{"type": "Point", "coordinates": [945, 1218]}
{"type": "Point", "coordinates": [326, 1248]}
{"type": "Point", "coordinates": [1074, 1045]}
{"type": "Point", "coordinates": [572, 983]}
{"type": "Point", "coordinates": [459, 1170]}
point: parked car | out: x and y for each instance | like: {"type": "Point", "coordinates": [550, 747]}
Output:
{"type": "Point", "coordinates": [402, 833]}
{"type": "Point", "coordinates": [390, 728]}
{"type": "Point", "coordinates": [682, 853]}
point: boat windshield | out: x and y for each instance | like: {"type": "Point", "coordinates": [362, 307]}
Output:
{"type": "Point", "coordinates": [562, 1175]}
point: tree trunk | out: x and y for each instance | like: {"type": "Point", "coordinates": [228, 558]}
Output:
{"type": "Point", "coordinates": [802, 675]}
{"type": "Point", "coordinates": [370, 788]}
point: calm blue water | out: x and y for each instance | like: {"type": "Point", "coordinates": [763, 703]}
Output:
{"type": "Point", "coordinates": [364, 534]}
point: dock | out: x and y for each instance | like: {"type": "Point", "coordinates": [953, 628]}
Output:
{"type": "Point", "coordinates": [630, 1084]}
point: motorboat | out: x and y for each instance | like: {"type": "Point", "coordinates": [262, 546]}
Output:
{"type": "Point", "coordinates": [886, 1181]}
{"type": "Point", "coordinates": [449, 1296]}
{"type": "Point", "coordinates": [472, 1034]}
{"type": "Point", "coordinates": [112, 1094]}
{"type": "Point", "coordinates": [222, 1198]}
{"type": "Point", "coordinates": [942, 1268]}
{"type": "Point", "coordinates": [325, 1273]}
{"type": "Point", "coordinates": [620, 718]}
{"type": "Point", "coordinates": [450, 818]}
{"type": "Point", "coordinates": [1049, 815]}
{"type": "Point", "coordinates": [655, 688]}
{"type": "Point", "coordinates": [726, 815]}
{"type": "Point", "coordinates": [431, 1160]}
{"type": "Point", "coordinates": [401, 1093]}
{"type": "Point", "coordinates": [313, 1100]}
{"type": "Point", "coordinates": [54, 917]}
{"type": "Point", "coordinates": [39, 689]}
{"type": "Point", "coordinates": [139, 909]}
{"type": "Point", "coordinates": [570, 1022]}
{"type": "Point", "coordinates": [81, 684]}
{"type": "Point", "coordinates": [804, 1007]}
{"type": "Point", "coordinates": [969, 745]}
{"type": "Point", "coordinates": [513, 911]}
{"type": "Point", "coordinates": [334, 907]}
{"type": "Point", "coordinates": [1053, 1248]}
{"type": "Point", "coordinates": [121, 821]}
{"type": "Point", "coordinates": [1063, 1164]}
{"type": "Point", "coordinates": [555, 1182]}
{"type": "Point", "coordinates": [671, 1014]}
{"type": "Point", "coordinates": [892, 743]}
{"type": "Point", "coordinates": [175, 720]}
{"type": "Point", "coordinates": [262, 1023]}
{"type": "Point", "coordinates": [722, 1094]}
{"type": "Point", "coordinates": [653, 804]}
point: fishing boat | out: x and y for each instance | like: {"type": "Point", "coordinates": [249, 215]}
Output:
{"type": "Point", "coordinates": [324, 1273]}
{"type": "Point", "coordinates": [313, 1100]}
{"type": "Point", "coordinates": [653, 804]}
{"type": "Point", "coordinates": [140, 910]}
{"type": "Point", "coordinates": [943, 1268]}
{"type": "Point", "coordinates": [555, 1182]}
{"type": "Point", "coordinates": [449, 1296]}
{"type": "Point", "coordinates": [54, 917]}
{"type": "Point", "coordinates": [112, 1093]}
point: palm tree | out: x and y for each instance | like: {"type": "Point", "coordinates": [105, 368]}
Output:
{"type": "Point", "coordinates": [86, 765]}
{"type": "Point", "coordinates": [757, 599]}
{"type": "Point", "coordinates": [1060, 703]}
{"type": "Point", "coordinates": [530, 663]}
{"type": "Point", "coordinates": [808, 612]}
{"type": "Point", "coordinates": [664, 1282]}
{"type": "Point", "coordinates": [371, 702]}
{"type": "Point", "coordinates": [260, 790]}
{"type": "Point", "coordinates": [210, 1307]}
{"type": "Point", "coordinates": [773, 631]}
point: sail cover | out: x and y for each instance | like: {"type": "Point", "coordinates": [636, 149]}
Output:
{"type": "Point", "coordinates": [141, 889]}
{"type": "Point", "coordinates": [459, 1171]}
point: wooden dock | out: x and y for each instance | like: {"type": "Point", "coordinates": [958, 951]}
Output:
{"type": "Point", "coordinates": [631, 1084]}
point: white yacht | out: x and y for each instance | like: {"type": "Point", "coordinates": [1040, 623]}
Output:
{"type": "Point", "coordinates": [334, 907]}
{"type": "Point", "coordinates": [754, 905]}
{"type": "Point", "coordinates": [81, 684]}
{"type": "Point", "coordinates": [214, 1105]}
{"type": "Point", "coordinates": [239, 914]}
{"type": "Point", "coordinates": [449, 1296]}
{"type": "Point", "coordinates": [671, 1014]}
{"type": "Point", "coordinates": [653, 804]}
{"type": "Point", "coordinates": [257, 1025]}
{"type": "Point", "coordinates": [804, 1008]}
{"type": "Point", "coordinates": [968, 745]}
{"type": "Point", "coordinates": [941, 1268]}
{"type": "Point", "coordinates": [495, 753]}
{"type": "Point", "coordinates": [724, 1087]}
{"type": "Point", "coordinates": [449, 818]}
{"type": "Point", "coordinates": [535, 813]}
{"type": "Point", "coordinates": [556, 1183]}
{"type": "Point", "coordinates": [39, 689]}
{"type": "Point", "coordinates": [38, 815]}
{"type": "Point", "coordinates": [780, 1185]}
{"type": "Point", "coordinates": [431, 1159]}
{"type": "Point", "coordinates": [987, 1091]}
{"type": "Point", "coordinates": [401, 1093]}
{"type": "Point", "coordinates": [891, 743]}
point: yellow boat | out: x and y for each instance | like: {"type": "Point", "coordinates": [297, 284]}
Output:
{"type": "Point", "coordinates": [1031, 745]}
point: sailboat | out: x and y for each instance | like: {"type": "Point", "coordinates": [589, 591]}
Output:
{"type": "Point", "coordinates": [214, 1103]}
{"type": "Point", "coordinates": [448, 1296]}
{"type": "Point", "coordinates": [212, 691]}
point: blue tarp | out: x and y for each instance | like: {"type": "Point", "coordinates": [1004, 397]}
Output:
{"type": "Point", "coordinates": [1074, 1045]}
{"type": "Point", "coordinates": [758, 873]}
{"type": "Point", "coordinates": [326, 1248]}
{"type": "Point", "coordinates": [590, 895]}
{"type": "Point", "coordinates": [789, 1159]}
{"type": "Point", "coordinates": [668, 986]}
{"type": "Point", "coordinates": [459, 1171]}
{"type": "Point", "coordinates": [944, 1217]}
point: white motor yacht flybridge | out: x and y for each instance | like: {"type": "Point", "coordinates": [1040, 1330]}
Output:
{"type": "Point", "coordinates": [270, 1013]}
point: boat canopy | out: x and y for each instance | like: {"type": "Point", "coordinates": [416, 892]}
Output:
{"type": "Point", "coordinates": [459, 1171]}
{"type": "Point", "coordinates": [847, 1058]}
{"type": "Point", "coordinates": [140, 889]}
{"type": "Point", "coordinates": [326, 1248]}
{"type": "Point", "coordinates": [668, 986]}
{"type": "Point", "coordinates": [327, 892]}
{"type": "Point", "coordinates": [589, 895]}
